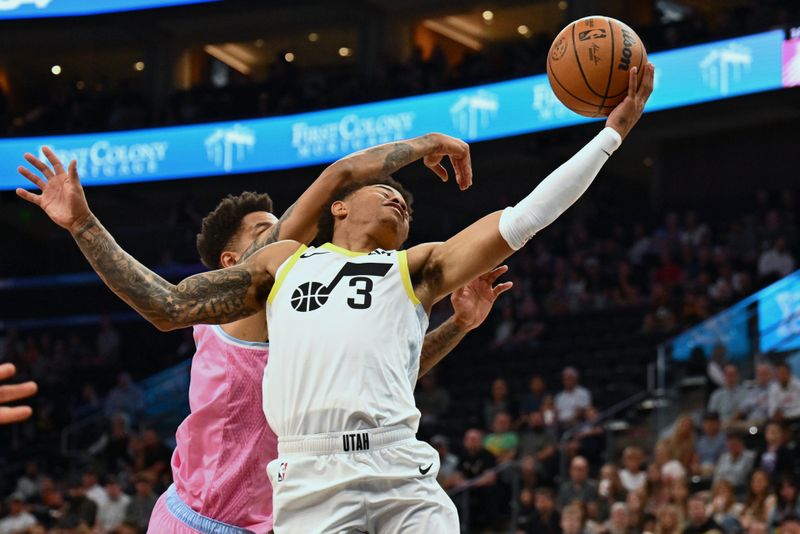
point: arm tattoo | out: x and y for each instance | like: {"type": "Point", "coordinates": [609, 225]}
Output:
{"type": "Point", "coordinates": [212, 297]}
{"type": "Point", "coordinates": [269, 237]}
{"type": "Point", "coordinates": [400, 155]}
{"type": "Point", "coordinates": [438, 344]}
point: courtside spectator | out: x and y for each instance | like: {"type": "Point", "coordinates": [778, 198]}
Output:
{"type": "Point", "coordinates": [711, 444]}
{"type": "Point", "coordinates": [538, 443]}
{"type": "Point", "coordinates": [735, 464]}
{"type": "Point", "coordinates": [476, 468]}
{"type": "Point", "coordinates": [784, 394]}
{"type": "Point", "coordinates": [111, 513]}
{"type": "Point", "coordinates": [572, 399]}
{"type": "Point", "coordinates": [141, 506]}
{"type": "Point", "coordinates": [726, 400]}
{"type": "Point", "coordinates": [579, 487]}
{"type": "Point", "coordinates": [502, 442]}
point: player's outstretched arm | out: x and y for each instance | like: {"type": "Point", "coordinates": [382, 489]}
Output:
{"type": "Point", "coordinates": [214, 297]}
{"type": "Point", "coordinates": [12, 393]}
{"type": "Point", "coordinates": [471, 305]}
{"type": "Point", "coordinates": [299, 222]}
{"type": "Point", "coordinates": [439, 268]}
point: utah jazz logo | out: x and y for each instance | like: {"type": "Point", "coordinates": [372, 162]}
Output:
{"type": "Point", "coordinates": [310, 296]}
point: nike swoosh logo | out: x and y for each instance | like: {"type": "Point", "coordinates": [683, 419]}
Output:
{"type": "Point", "coordinates": [425, 471]}
{"type": "Point", "coordinates": [309, 254]}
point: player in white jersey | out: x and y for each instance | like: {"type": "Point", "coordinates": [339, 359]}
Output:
{"type": "Point", "coordinates": [360, 470]}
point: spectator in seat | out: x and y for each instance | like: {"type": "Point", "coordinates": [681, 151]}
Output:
{"type": "Point", "coordinates": [775, 458]}
{"type": "Point", "coordinates": [754, 410]}
{"type": "Point", "coordinates": [499, 402]}
{"type": "Point", "coordinates": [94, 491]}
{"type": "Point", "coordinates": [539, 443]}
{"type": "Point", "coordinates": [735, 464]}
{"type": "Point", "coordinates": [668, 520]}
{"type": "Point", "coordinates": [79, 512]}
{"type": "Point", "coordinates": [579, 487]}
{"type": "Point", "coordinates": [108, 342]}
{"type": "Point", "coordinates": [787, 503]}
{"type": "Point", "coordinates": [776, 262]}
{"type": "Point", "coordinates": [681, 442]}
{"type": "Point", "coordinates": [28, 483]}
{"type": "Point", "coordinates": [610, 489]}
{"type": "Point", "coordinates": [631, 475]}
{"type": "Point", "coordinates": [790, 525]}
{"type": "Point", "coordinates": [502, 442]}
{"type": "Point", "coordinates": [784, 395]}
{"type": "Point", "coordinates": [141, 506]}
{"type": "Point", "coordinates": [18, 519]}
{"type": "Point", "coordinates": [111, 513]}
{"type": "Point", "coordinates": [532, 400]}
{"type": "Point", "coordinates": [572, 520]}
{"type": "Point", "coordinates": [572, 400]}
{"type": "Point", "coordinates": [545, 519]}
{"type": "Point", "coordinates": [760, 501]}
{"type": "Point", "coordinates": [126, 397]}
{"type": "Point", "coordinates": [725, 511]}
{"type": "Point", "coordinates": [432, 401]}
{"type": "Point", "coordinates": [699, 522]}
{"type": "Point", "coordinates": [618, 520]}
{"type": "Point", "coordinates": [710, 446]}
{"type": "Point", "coordinates": [448, 462]}
{"type": "Point", "coordinates": [727, 400]}
{"type": "Point", "coordinates": [476, 466]}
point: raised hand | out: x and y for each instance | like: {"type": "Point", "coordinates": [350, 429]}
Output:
{"type": "Point", "coordinates": [624, 117]}
{"type": "Point", "coordinates": [12, 393]}
{"type": "Point", "coordinates": [458, 152]}
{"type": "Point", "coordinates": [473, 302]}
{"type": "Point", "coordinates": [62, 197]}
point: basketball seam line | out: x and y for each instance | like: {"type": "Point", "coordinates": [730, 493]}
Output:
{"type": "Point", "coordinates": [611, 68]}
{"type": "Point", "coordinates": [580, 67]}
{"type": "Point", "coordinates": [552, 71]}
{"type": "Point", "coordinates": [641, 58]}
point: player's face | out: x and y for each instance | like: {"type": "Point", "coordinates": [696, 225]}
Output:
{"type": "Point", "coordinates": [253, 226]}
{"type": "Point", "coordinates": [382, 205]}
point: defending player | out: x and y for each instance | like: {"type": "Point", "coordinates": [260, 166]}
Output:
{"type": "Point", "coordinates": [347, 324]}
{"type": "Point", "coordinates": [224, 445]}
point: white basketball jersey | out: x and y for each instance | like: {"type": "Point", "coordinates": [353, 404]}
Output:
{"type": "Point", "coordinates": [346, 333]}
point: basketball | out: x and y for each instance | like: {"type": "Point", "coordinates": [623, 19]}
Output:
{"type": "Point", "coordinates": [589, 61]}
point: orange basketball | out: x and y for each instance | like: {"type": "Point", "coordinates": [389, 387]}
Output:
{"type": "Point", "coordinates": [589, 62]}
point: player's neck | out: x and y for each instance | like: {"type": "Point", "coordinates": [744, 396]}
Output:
{"type": "Point", "coordinates": [253, 328]}
{"type": "Point", "coordinates": [356, 241]}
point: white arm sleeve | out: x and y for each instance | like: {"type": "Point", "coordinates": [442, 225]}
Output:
{"type": "Point", "coordinates": [558, 191]}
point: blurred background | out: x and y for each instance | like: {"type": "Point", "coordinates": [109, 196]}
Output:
{"type": "Point", "coordinates": [626, 384]}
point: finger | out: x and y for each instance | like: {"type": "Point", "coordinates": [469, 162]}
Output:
{"type": "Point", "coordinates": [7, 370]}
{"type": "Point", "coordinates": [17, 391]}
{"type": "Point", "coordinates": [39, 164]}
{"type": "Point", "coordinates": [468, 167]}
{"type": "Point", "coordinates": [73, 171]}
{"type": "Point", "coordinates": [53, 159]}
{"type": "Point", "coordinates": [39, 182]}
{"type": "Point", "coordinates": [440, 171]}
{"type": "Point", "coordinates": [499, 289]}
{"type": "Point", "coordinates": [496, 273]}
{"type": "Point", "coordinates": [648, 81]}
{"type": "Point", "coordinates": [30, 197]}
{"type": "Point", "coordinates": [633, 82]}
{"type": "Point", "coordinates": [15, 414]}
{"type": "Point", "coordinates": [457, 170]}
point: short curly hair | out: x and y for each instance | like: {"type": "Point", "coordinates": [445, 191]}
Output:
{"type": "Point", "coordinates": [221, 225]}
{"type": "Point", "coordinates": [326, 220]}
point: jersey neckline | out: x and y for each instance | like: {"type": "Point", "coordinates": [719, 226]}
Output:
{"type": "Point", "coordinates": [333, 248]}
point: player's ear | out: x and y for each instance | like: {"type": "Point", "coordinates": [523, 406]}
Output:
{"type": "Point", "coordinates": [228, 258]}
{"type": "Point", "coordinates": [339, 209]}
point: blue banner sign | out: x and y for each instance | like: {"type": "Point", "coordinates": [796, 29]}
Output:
{"type": "Point", "coordinates": [26, 9]}
{"type": "Point", "coordinates": [685, 76]}
{"type": "Point", "coordinates": [728, 328]}
{"type": "Point", "coordinates": [779, 315]}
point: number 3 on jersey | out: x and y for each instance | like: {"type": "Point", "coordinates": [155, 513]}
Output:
{"type": "Point", "coordinates": [310, 296]}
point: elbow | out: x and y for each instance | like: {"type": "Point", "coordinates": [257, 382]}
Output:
{"type": "Point", "coordinates": [341, 172]}
{"type": "Point", "coordinates": [161, 324]}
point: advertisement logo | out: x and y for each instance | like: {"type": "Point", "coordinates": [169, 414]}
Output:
{"type": "Point", "coordinates": [352, 132]}
{"type": "Point", "coordinates": [791, 62]}
{"type": "Point", "coordinates": [103, 159]}
{"type": "Point", "coordinates": [227, 144]}
{"type": "Point", "coordinates": [725, 65]}
{"type": "Point", "coordinates": [11, 5]}
{"type": "Point", "coordinates": [475, 111]}
{"type": "Point", "coordinates": [789, 305]}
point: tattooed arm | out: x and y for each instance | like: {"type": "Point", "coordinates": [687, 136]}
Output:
{"type": "Point", "coordinates": [471, 305]}
{"type": "Point", "coordinates": [299, 222]}
{"type": "Point", "coordinates": [213, 297]}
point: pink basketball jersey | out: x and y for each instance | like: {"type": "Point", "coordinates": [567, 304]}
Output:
{"type": "Point", "coordinates": [224, 445]}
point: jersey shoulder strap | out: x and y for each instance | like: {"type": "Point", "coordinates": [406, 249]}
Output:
{"type": "Point", "coordinates": [283, 270]}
